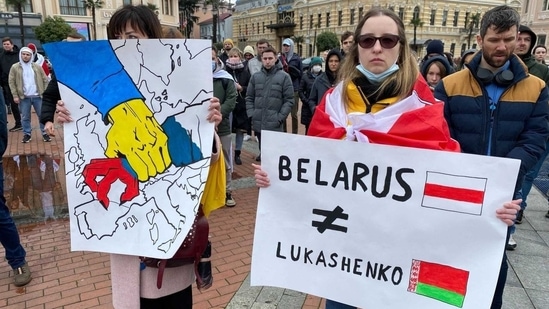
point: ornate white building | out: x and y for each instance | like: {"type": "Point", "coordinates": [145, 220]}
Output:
{"type": "Point", "coordinates": [76, 14]}
{"type": "Point", "coordinates": [275, 20]}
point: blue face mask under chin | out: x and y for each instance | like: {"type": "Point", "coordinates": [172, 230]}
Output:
{"type": "Point", "coordinates": [377, 78]}
{"type": "Point", "coordinates": [214, 65]}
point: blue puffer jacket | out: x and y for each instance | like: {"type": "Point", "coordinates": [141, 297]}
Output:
{"type": "Point", "coordinates": [520, 126]}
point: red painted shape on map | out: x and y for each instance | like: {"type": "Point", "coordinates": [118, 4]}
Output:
{"type": "Point", "coordinates": [111, 170]}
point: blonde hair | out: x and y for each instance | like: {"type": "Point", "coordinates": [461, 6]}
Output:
{"type": "Point", "coordinates": [402, 82]}
{"type": "Point", "coordinates": [171, 33]}
{"type": "Point", "coordinates": [236, 51]}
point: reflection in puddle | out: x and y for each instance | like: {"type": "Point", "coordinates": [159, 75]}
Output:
{"type": "Point", "coordinates": [34, 188]}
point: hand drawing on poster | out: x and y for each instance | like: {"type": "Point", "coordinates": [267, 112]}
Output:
{"type": "Point", "coordinates": [137, 153]}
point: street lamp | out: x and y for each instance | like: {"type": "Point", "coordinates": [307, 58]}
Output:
{"type": "Point", "coordinates": [215, 6]}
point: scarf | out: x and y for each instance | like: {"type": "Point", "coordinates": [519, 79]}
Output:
{"type": "Point", "coordinates": [235, 66]}
{"type": "Point", "coordinates": [415, 121]}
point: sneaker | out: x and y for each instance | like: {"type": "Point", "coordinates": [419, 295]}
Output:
{"type": "Point", "coordinates": [27, 138]}
{"type": "Point", "coordinates": [512, 244]}
{"type": "Point", "coordinates": [46, 138]}
{"type": "Point", "coordinates": [22, 275]}
{"type": "Point", "coordinates": [237, 160]}
{"type": "Point", "coordinates": [229, 201]}
{"type": "Point", "coordinates": [520, 214]}
{"type": "Point", "coordinates": [258, 158]}
{"type": "Point", "coordinates": [247, 138]}
{"type": "Point", "coordinates": [16, 128]}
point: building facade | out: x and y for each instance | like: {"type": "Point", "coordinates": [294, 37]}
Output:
{"type": "Point", "coordinates": [535, 14]}
{"type": "Point", "coordinates": [79, 17]}
{"type": "Point", "coordinates": [303, 20]}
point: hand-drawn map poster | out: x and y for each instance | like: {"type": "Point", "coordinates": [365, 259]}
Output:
{"type": "Point", "coordinates": [379, 226]}
{"type": "Point", "coordinates": [137, 152]}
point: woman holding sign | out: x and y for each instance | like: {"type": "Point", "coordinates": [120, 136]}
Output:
{"type": "Point", "coordinates": [379, 72]}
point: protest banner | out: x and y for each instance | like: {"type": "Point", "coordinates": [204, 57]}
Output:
{"type": "Point", "coordinates": [379, 226]}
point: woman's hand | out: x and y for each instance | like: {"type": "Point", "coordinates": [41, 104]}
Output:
{"type": "Point", "coordinates": [508, 213]}
{"type": "Point", "coordinates": [214, 112]}
{"type": "Point", "coordinates": [261, 177]}
{"type": "Point", "coordinates": [62, 113]}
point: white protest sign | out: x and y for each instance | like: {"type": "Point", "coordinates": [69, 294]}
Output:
{"type": "Point", "coordinates": [137, 154]}
{"type": "Point", "coordinates": [380, 226]}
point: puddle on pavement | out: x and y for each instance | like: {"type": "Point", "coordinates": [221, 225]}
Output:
{"type": "Point", "coordinates": [34, 188]}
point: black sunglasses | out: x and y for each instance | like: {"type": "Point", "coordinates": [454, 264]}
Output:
{"type": "Point", "coordinates": [386, 40]}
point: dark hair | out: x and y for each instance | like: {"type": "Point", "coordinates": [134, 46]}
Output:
{"type": "Point", "coordinates": [140, 17]}
{"type": "Point", "coordinates": [262, 41]}
{"type": "Point", "coordinates": [7, 38]}
{"type": "Point", "coordinates": [346, 35]}
{"type": "Point", "coordinates": [538, 46]}
{"type": "Point", "coordinates": [214, 49]}
{"type": "Point", "coordinates": [502, 18]}
{"type": "Point", "coordinates": [76, 35]}
{"type": "Point", "coordinates": [270, 49]}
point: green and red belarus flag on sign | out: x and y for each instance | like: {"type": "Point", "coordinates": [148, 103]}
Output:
{"type": "Point", "coordinates": [440, 282]}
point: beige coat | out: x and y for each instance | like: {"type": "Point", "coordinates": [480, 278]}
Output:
{"type": "Point", "coordinates": [15, 79]}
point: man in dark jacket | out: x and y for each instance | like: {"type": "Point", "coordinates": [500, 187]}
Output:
{"type": "Point", "coordinates": [270, 96]}
{"type": "Point", "coordinates": [495, 108]}
{"type": "Point", "coordinates": [525, 44]}
{"type": "Point", "coordinates": [9, 57]}
{"type": "Point", "coordinates": [291, 64]}
{"type": "Point", "coordinates": [325, 81]}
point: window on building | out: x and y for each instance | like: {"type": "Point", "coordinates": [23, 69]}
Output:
{"type": "Point", "coordinates": [167, 6]}
{"type": "Point", "coordinates": [416, 13]}
{"type": "Point", "coordinates": [263, 28]}
{"type": "Point", "coordinates": [463, 48]}
{"type": "Point", "coordinates": [526, 5]}
{"type": "Point", "coordinates": [339, 18]}
{"type": "Point", "coordinates": [401, 13]}
{"type": "Point", "coordinates": [327, 20]}
{"type": "Point", "coordinates": [392, 8]}
{"type": "Point", "coordinates": [72, 7]}
{"type": "Point", "coordinates": [452, 48]}
{"type": "Point", "coordinates": [311, 22]}
{"type": "Point", "coordinates": [467, 14]}
{"type": "Point", "coordinates": [27, 7]}
{"type": "Point", "coordinates": [352, 17]}
{"type": "Point", "coordinates": [541, 39]}
{"type": "Point", "coordinates": [319, 22]}
{"type": "Point", "coordinates": [360, 13]}
{"type": "Point", "coordinates": [444, 17]}
{"type": "Point", "coordinates": [545, 5]}
{"type": "Point", "coordinates": [300, 22]}
{"type": "Point", "coordinates": [433, 15]}
{"type": "Point", "coordinates": [474, 46]}
{"type": "Point", "coordinates": [126, 2]}
{"type": "Point", "coordinates": [257, 28]}
{"type": "Point", "coordinates": [456, 17]}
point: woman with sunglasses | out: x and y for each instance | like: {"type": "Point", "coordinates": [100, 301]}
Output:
{"type": "Point", "coordinates": [378, 72]}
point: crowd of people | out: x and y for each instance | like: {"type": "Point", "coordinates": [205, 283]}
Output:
{"type": "Point", "coordinates": [259, 88]}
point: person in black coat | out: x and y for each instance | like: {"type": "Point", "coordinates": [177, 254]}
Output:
{"type": "Point", "coordinates": [238, 68]}
{"type": "Point", "coordinates": [307, 80]}
{"type": "Point", "coordinates": [325, 80]}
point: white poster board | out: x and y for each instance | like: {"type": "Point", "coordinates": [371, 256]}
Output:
{"type": "Point", "coordinates": [379, 226]}
{"type": "Point", "coordinates": [157, 82]}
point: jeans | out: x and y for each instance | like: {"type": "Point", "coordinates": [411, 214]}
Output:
{"type": "Point", "coordinates": [9, 236]}
{"type": "Point", "coordinates": [531, 175]}
{"type": "Point", "coordinates": [239, 139]}
{"type": "Point", "coordinates": [8, 98]}
{"type": "Point", "coordinates": [25, 106]}
{"type": "Point", "coordinates": [293, 114]}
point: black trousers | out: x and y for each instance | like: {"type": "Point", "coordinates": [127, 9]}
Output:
{"type": "Point", "coordinates": [14, 107]}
